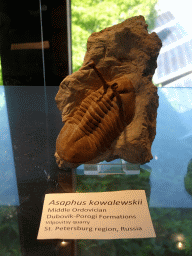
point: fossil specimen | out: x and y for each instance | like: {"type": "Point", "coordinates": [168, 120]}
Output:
{"type": "Point", "coordinates": [109, 106]}
{"type": "Point", "coordinates": [98, 121]}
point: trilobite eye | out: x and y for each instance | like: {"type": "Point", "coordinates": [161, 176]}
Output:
{"type": "Point", "coordinates": [114, 86]}
{"type": "Point", "coordinates": [125, 87]}
{"type": "Point", "coordinates": [122, 90]}
{"type": "Point", "coordinates": [66, 85]}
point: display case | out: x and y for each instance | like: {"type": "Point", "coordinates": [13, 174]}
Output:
{"type": "Point", "coordinates": [34, 60]}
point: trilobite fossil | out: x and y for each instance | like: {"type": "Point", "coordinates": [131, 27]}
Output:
{"type": "Point", "coordinates": [98, 121]}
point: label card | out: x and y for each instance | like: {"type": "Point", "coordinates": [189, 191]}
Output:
{"type": "Point", "coordinates": [101, 215]}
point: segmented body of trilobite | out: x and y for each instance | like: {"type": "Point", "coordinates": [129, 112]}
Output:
{"type": "Point", "coordinates": [98, 121]}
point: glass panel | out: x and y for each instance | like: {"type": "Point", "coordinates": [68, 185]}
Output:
{"type": "Point", "coordinates": [9, 200]}
{"type": "Point", "coordinates": [29, 125]}
{"type": "Point", "coordinates": [166, 180]}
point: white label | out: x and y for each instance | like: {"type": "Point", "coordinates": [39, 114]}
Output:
{"type": "Point", "coordinates": [101, 215]}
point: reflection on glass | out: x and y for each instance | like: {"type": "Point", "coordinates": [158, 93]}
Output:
{"type": "Point", "coordinates": [172, 149]}
{"type": "Point", "coordinates": [180, 246]}
{"type": "Point", "coordinates": [174, 63]}
{"type": "Point", "coordinates": [179, 239]}
{"type": "Point", "coordinates": [9, 231]}
{"type": "Point", "coordinates": [64, 243]}
{"type": "Point", "coordinates": [1, 78]}
{"type": "Point", "coordinates": [8, 186]}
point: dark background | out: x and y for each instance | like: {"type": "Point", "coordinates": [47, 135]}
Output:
{"type": "Point", "coordinates": [34, 119]}
{"type": "Point", "coordinates": [20, 22]}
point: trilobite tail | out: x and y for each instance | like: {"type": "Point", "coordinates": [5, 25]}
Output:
{"type": "Point", "coordinates": [74, 146]}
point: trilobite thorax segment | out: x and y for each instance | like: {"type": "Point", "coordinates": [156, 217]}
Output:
{"type": "Point", "coordinates": [98, 121]}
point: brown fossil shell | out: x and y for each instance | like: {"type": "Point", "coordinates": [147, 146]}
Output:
{"type": "Point", "coordinates": [125, 54]}
{"type": "Point", "coordinates": [99, 120]}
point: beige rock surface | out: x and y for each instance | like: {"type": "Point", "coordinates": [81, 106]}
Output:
{"type": "Point", "coordinates": [124, 49]}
